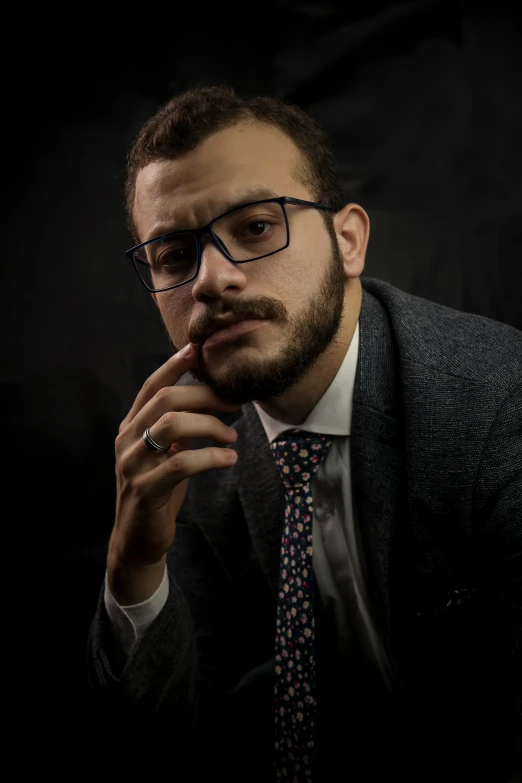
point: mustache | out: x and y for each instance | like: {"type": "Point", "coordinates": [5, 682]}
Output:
{"type": "Point", "coordinates": [201, 331]}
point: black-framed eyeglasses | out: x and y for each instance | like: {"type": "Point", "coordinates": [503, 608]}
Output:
{"type": "Point", "coordinates": [254, 230]}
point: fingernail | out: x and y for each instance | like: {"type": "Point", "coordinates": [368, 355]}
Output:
{"type": "Point", "coordinates": [185, 352]}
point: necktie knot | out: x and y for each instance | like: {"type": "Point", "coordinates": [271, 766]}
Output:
{"type": "Point", "coordinates": [298, 456]}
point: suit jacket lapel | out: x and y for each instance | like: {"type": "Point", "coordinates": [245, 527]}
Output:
{"type": "Point", "coordinates": [377, 456]}
{"type": "Point", "coordinates": [261, 493]}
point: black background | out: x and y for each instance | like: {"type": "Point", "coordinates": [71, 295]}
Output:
{"type": "Point", "coordinates": [423, 104]}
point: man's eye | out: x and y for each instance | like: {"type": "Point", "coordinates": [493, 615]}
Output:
{"type": "Point", "coordinates": [256, 228]}
{"type": "Point", "coordinates": [177, 256]}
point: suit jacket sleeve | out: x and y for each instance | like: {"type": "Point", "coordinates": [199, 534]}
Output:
{"type": "Point", "coordinates": [179, 672]}
{"type": "Point", "coordinates": [499, 514]}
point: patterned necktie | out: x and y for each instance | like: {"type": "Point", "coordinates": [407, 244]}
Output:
{"type": "Point", "coordinates": [298, 456]}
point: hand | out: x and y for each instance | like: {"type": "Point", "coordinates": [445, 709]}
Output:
{"type": "Point", "coordinates": [151, 488]}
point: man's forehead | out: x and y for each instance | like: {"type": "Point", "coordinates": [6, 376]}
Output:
{"type": "Point", "coordinates": [231, 167]}
{"type": "Point", "coordinates": [229, 154]}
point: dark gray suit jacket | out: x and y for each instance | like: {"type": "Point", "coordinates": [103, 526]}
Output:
{"type": "Point", "coordinates": [436, 447]}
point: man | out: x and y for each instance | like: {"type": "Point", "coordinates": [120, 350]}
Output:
{"type": "Point", "coordinates": [377, 430]}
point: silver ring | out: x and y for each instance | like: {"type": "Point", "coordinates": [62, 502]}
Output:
{"type": "Point", "coordinates": [152, 443]}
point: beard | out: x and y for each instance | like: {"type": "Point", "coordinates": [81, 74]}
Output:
{"type": "Point", "coordinates": [304, 339]}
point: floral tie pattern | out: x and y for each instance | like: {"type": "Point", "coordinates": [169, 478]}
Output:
{"type": "Point", "coordinates": [298, 456]}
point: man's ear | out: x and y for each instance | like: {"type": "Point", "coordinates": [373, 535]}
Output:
{"type": "Point", "coordinates": [352, 226]}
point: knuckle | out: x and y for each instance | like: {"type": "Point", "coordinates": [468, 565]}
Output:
{"type": "Point", "coordinates": [163, 393]}
{"type": "Point", "coordinates": [118, 442]}
{"type": "Point", "coordinates": [125, 470]}
{"type": "Point", "coordinates": [177, 462]}
{"type": "Point", "coordinates": [169, 419]}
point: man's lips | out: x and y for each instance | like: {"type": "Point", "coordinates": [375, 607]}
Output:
{"type": "Point", "coordinates": [234, 330]}
{"type": "Point", "coordinates": [222, 321]}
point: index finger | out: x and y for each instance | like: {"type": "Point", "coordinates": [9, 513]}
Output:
{"type": "Point", "coordinates": [168, 374]}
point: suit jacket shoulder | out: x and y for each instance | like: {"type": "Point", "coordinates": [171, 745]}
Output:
{"type": "Point", "coordinates": [448, 341]}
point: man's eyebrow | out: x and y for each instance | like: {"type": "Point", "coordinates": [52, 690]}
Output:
{"type": "Point", "coordinates": [238, 200]}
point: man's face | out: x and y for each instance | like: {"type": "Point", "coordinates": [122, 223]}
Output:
{"type": "Point", "coordinates": [300, 291]}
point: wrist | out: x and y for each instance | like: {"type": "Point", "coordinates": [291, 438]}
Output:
{"type": "Point", "coordinates": [132, 584]}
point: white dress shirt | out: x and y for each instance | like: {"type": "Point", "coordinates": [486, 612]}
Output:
{"type": "Point", "coordinates": [337, 555]}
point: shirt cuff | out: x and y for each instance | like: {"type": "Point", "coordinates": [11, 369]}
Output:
{"type": "Point", "coordinates": [131, 622]}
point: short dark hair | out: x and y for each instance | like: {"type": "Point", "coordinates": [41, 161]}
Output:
{"type": "Point", "coordinates": [192, 116]}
